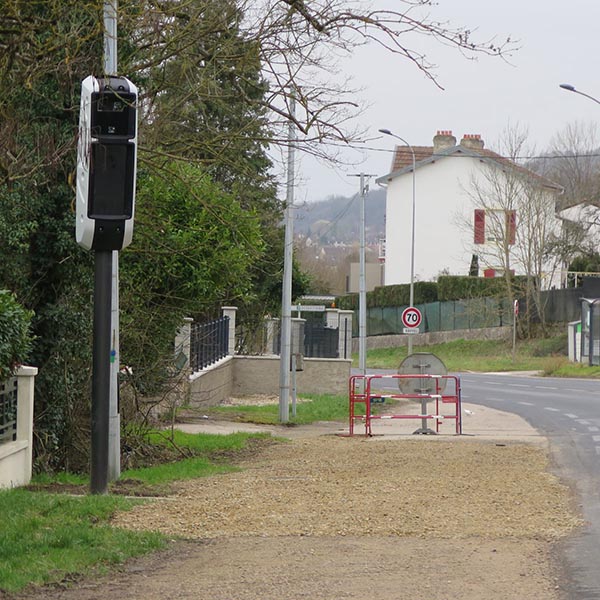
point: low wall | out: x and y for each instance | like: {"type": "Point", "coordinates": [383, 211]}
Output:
{"type": "Point", "coordinates": [16, 457]}
{"type": "Point", "coordinates": [214, 384]}
{"type": "Point", "coordinates": [260, 375]}
{"type": "Point", "coordinates": [248, 375]}
{"type": "Point", "coordinates": [435, 337]}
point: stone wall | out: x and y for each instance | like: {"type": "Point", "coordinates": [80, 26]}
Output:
{"type": "Point", "coordinates": [211, 386]}
{"type": "Point", "coordinates": [260, 375]}
{"type": "Point", "coordinates": [435, 337]}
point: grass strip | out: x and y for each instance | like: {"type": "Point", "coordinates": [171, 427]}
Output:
{"type": "Point", "coordinates": [45, 537]}
{"type": "Point", "coordinates": [546, 355]}
{"type": "Point", "coordinates": [314, 407]}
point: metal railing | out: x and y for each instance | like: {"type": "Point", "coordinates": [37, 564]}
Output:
{"type": "Point", "coordinates": [8, 411]}
{"type": "Point", "coordinates": [209, 343]}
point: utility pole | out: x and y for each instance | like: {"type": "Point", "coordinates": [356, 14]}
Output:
{"type": "Point", "coordinates": [286, 294]}
{"type": "Point", "coordinates": [362, 281]}
{"type": "Point", "coordinates": [114, 422]}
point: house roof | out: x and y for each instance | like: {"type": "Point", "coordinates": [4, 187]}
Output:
{"type": "Point", "coordinates": [403, 160]}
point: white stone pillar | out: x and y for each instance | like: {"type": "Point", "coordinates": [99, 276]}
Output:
{"type": "Point", "coordinates": [25, 388]}
{"type": "Point", "coordinates": [230, 311]}
{"type": "Point", "coordinates": [297, 346]}
{"type": "Point", "coordinates": [332, 318]}
{"type": "Point", "coordinates": [183, 340]}
{"type": "Point", "coordinates": [345, 333]}
{"type": "Point", "coordinates": [271, 330]}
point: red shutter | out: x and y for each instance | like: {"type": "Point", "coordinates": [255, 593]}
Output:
{"type": "Point", "coordinates": [511, 225]}
{"type": "Point", "coordinates": [479, 226]}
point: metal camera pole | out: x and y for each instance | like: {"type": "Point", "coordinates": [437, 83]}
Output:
{"type": "Point", "coordinates": [101, 371]}
{"type": "Point", "coordinates": [114, 421]}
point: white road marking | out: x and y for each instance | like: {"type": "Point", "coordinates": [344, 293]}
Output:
{"type": "Point", "coordinates": [551, 409]}
{"type": "Point", "coordinates": [583, 422]}
{"type": "Point", "coordinates": [597, 449]}
{"type": "Point", "coordinates": [544, 387]}
{"type": "Point", "coordinates": [523, 385]}
{"type": "Point", "coordinates": [593, 428]}
{"type": "Point", "coordinates": [571, 416]}
{"type": "Point", "coordinates": [526, 403]}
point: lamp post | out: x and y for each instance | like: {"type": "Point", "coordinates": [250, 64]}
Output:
{"type": "Point", "coordinates": [571, 88]}
{"type": "Point", "coordinates": [362, 284]}
{"type": "Point", "coordinates": [412, 241]}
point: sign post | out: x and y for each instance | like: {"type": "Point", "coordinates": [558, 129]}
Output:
{"type": "Point", "coordinates": [106, 169]}
{"type": "Point", "coordinates": [515, 315]}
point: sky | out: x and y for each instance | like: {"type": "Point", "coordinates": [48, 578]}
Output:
{"type": "Point", "coordinates": [559, 42]}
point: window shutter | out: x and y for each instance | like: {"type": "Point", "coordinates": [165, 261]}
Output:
{"type": "Point", "coordinates": [511, 225]}
{"type": "Point", "coordinates": [479, 226]}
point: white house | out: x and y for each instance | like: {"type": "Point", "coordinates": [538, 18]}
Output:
{"type": "Point", "coordinates": [459, 212]}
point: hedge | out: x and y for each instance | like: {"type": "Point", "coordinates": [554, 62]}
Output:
{"type": "Point", "coordinates": [447, 287]}
{"type": "Point", "coordinates": [15, 336]}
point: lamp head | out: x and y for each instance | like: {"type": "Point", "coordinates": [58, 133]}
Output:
{"type": "Point", "coordinates": [567, 86]}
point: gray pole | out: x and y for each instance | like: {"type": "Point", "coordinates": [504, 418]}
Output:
{"type": "Point", "coordinates": [362, 280]}
{"type": "Point", "coordinates": [286, 294]}
{"type": "Point", "coordinates": [362, 286]}
{"type": "Point", "coordinates": [412, 241]}
{"type": "Point", "coordinates": [101, 371]}
{"type": "Point", "coordinates": [114, 424]}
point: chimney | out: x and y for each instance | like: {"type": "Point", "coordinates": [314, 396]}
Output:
{"type": "Point", "coordinates": [443, 140]}
{"type": "Point", "coordinates": [472, 141]}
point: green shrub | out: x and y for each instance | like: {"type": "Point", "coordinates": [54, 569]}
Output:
{"type": "Point", "coordinates": [392, 295]}
{"type": "Point", "coordinates": [15, 337]}
{"type": "Point", "coordinates": [452, 287]}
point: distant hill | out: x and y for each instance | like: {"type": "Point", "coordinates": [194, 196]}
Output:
{"type": "Point", "coordinates": [337, 219]}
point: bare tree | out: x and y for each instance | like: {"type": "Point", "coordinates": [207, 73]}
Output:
{"type": "Point", "coordinates": [517, 211]}
{"type": "Point", "coordinates": [574, 164]}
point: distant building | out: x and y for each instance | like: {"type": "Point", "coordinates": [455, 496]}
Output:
{"type": "Point", "coordinates": [452, 234]}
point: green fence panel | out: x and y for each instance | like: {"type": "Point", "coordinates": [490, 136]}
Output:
{"type": "Point", "coordinates": [431, 316]}
{"type": "Point", "coordinates": [447, 316]}
{"type": "Point", "coordinates": [461, 314]}
{"type": "Point", "coordinates": [375, 321]}
{"type": "Point", "coordinates": [390, 320]}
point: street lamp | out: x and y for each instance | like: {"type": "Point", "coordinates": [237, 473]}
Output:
{"type": "Point", "coordinates": [571, 88]}
{"type": "Point", "coordinates": [412, 242]}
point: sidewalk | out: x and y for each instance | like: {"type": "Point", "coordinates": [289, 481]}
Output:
{"type": "Point", "coordinates": [479, 422]}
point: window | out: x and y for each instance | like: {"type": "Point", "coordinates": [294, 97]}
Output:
{"type": "Point", "coordinates": [494, 226]}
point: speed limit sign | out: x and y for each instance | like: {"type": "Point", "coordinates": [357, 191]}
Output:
{"type": "Point", "coordinates": [411, 317]}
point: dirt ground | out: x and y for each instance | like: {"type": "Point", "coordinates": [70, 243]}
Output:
{"type": "Point", "coordinates": [329, 517]}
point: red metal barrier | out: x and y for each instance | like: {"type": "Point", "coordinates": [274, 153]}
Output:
{"type": "Point", "coordinates": [362, 391]}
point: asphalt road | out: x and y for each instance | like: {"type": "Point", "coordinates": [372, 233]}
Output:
{"type": "Point", "coordinates": [567, 412]}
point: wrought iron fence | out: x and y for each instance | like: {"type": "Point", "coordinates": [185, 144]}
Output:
{"type": "Point", "coordinates": [209, 343]}
{"type": "Point", "coordinates": [8, 411]}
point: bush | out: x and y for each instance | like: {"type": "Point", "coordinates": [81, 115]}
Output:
{"type": "Point", "coordinates": [15, 337]}
{"type": "Point", "coordinates": [452, 287]}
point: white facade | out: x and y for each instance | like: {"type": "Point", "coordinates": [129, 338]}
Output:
{"type": "Point", "coordinates": [450, 185]}
{"type": "Point", "coordinates": [439, 234]}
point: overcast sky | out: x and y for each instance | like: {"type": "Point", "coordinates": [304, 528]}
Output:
{"type": "Point", "coordinates": [559, 43]}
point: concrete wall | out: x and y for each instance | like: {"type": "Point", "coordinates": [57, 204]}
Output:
{"type": "Point", "coordinates": [260, 375]}
{"type": "Point", "coordinates": [16, 457]}
{"type": "Point", "coordinates": [212, 385]}
{"type": "Point", "coordinates": [435, 337]}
